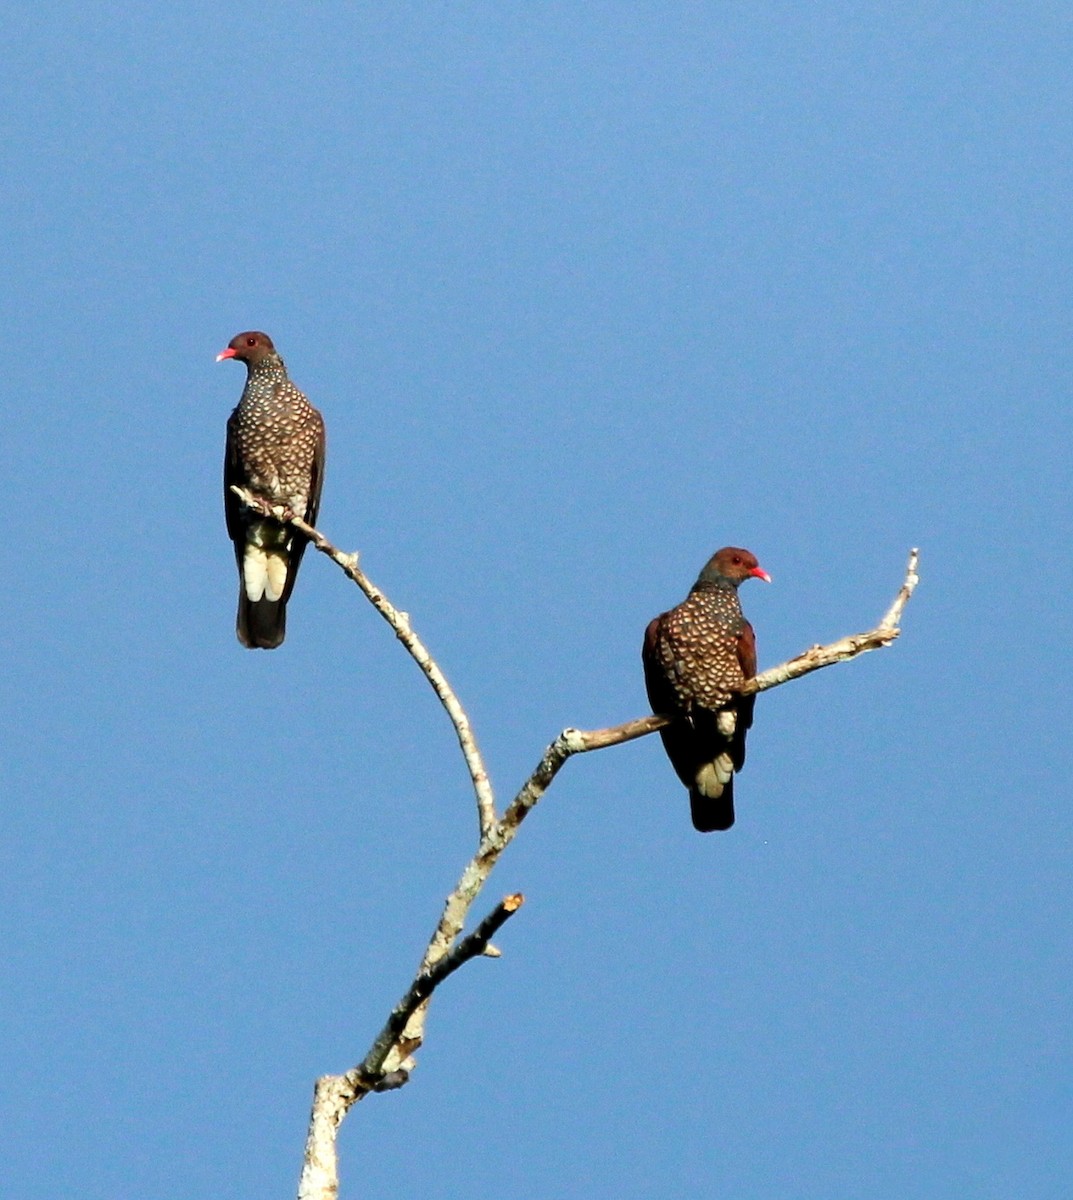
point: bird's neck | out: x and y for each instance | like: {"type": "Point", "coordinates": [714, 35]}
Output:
{"type": "Point", "coordinates": [714, 583]}
{"type": "Point", "coordinates": [268, 369]}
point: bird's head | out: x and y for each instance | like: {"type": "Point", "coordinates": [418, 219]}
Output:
{"type": "Point", "coordinates": [733, 565]}
{"type": "Point", "coordinates": [250, 347]}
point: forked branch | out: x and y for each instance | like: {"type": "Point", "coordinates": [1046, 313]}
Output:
{"type": "Point", "coordinates": [388, 1062]}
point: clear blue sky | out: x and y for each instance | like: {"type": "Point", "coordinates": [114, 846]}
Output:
{"type": "Point", "coordinates": [584, 293]}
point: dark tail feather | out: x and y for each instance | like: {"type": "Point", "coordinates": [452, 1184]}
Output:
{"type": "Point", "coordinates": [711, 815]}
{"type": "Point", "coordinates": [262, 624]}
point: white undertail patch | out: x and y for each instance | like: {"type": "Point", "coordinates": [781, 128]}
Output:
{"type": "Point", "coordinates": [254, 572]}
{"type": "Point", "coordinates": [264, 564]}
{"type": "Point", "coordinates": [714, 776]}
{"type": "Point", "coordinates": [277, 575]}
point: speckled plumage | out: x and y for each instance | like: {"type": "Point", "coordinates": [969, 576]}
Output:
{"type": "Point", "coordinates": [276, 449]}
{"type": "Point", "coordinates": [694, 657]}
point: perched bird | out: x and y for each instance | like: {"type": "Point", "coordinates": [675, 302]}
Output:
{"type": "Point", "coordinates": [275, 448]}
{"type": "Point", "coordinates": [694, 656]}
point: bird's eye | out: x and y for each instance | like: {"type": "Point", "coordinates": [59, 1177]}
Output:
{"type": "Point", "coordinates": [251, 342]}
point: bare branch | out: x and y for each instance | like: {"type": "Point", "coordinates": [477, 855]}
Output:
{"type": "Point", "coordinates": [845, 648]}
{"type": "Point", "coordinates": [335, 1095]}
{"type": "Point", "coordinates": [894, 613]}
{"type": "Point", "coordinates": [332, 1098]}
{"type": "Point", "coordinates": [400, 623]}
{"type": "Point", "coordinates": [388, 1063]}
{"type": "Point", "coordinates": [426, 982]}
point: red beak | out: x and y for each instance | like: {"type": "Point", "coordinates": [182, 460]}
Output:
{"type": "Point", "coordinates": [228, 353]}
{"type": "Point", "coordinates": [760, 573]}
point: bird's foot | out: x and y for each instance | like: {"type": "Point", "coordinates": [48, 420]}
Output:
{"type": "Point", "coordinates": [252, 500]}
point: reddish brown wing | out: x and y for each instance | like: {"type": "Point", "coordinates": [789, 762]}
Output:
{"type": "Point", "coordinates": [679, 739]}
{"type": "Point", "coordinates": [661, 693]}
{"type": "Point", "coordinates": [747, 660]}
{"type": "Point", "coordinates": [747, 650]}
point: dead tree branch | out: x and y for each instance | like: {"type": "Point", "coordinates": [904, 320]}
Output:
{"type": "Point", "coordinates": [389, 1060]}
{"type": "Point", "coordinates": [845, 648]}
{"type": "Point", "coordinates": [371, 1067]}
{"type": "Point", "coordinates": [400, 623]}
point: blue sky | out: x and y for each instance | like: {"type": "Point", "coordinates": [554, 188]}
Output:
{"type": "Point", "coordinates": [583, 296]}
